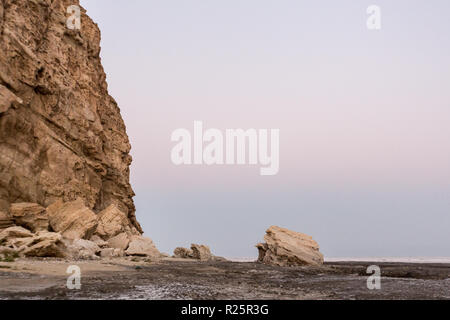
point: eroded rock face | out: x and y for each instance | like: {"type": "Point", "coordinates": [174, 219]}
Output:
{"type": "Point", "coordinates": [6, 220]}
{"type": "Point", "coordinates": [112, 222]}
{"type": "Point", "coordinates": [74, 224]}
{"type": "Point", "coordinates": [30, 215]}
{"type": "Point", "coordinates": [73, 219]}
{"type": "Point", "coordinates": [61, 135]}
{"type": "Point", "coordinates": [284, 247]}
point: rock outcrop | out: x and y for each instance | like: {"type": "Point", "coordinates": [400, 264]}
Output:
{"type": "Point", "coordinates": [45, 244]}
{"type": "Point", "coordinates": [196, 252]}
{"type": "Point", "coordinates": [283, 247]}
{"type": "Point", "coordinates": [22, 241]}
{"type": "Point", "coordinates": [61, 134]}
{"type": "Point", "coordinates": [69, 233]}
{"type": "Point", "coordinates": [64, 151]}
{"type": "Point", "coordinates": [201, 252]}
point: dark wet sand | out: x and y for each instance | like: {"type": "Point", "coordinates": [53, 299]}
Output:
{"type": "Point", "coordinates": [230, 280]}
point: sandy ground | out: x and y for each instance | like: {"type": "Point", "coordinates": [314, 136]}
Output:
{"type": "Point", "coordinates": [180, 279]}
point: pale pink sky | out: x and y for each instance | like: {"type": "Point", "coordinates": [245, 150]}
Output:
{"type": "Point", "coordinates": [364, 119]}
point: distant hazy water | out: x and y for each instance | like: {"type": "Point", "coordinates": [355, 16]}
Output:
{"type": "Point", "coordinates": [370, 259]}
{"type": "Point", "coordinates": [394, 259]}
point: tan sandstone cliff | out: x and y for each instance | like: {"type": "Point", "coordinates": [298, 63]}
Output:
{"type": "Point", "coordinates": [61, 134]}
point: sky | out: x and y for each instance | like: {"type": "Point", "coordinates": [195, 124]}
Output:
{"type": "Point", "coordinates": [364, 120]}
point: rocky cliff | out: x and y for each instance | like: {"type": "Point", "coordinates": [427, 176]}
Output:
{"type": "Point", "coordinates": [61, 134]}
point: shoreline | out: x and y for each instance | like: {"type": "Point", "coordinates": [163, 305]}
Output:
{"type": "Point", "coordinates": [425, 260]}
{"type": "Point", "coordinates": [175, 279]}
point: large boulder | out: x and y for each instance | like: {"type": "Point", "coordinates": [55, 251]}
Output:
{"type": "Point", "coordinates": [81, 249]}
{"type": "Point", "coordinates": [14, 232]}
{"type": "Point", "coordinates": [44, 244]}
{"type": "Point", "coordinates": [112, 222]}
{"type": "Point", "coordinates": [284, 247]}
{"type": "Point", "coordinates": [183, 253]}
{"type": "Point", "coordinates": [121, 241]}
{"type": "Point", "coordinates": [142, 246]}
{"type": "Point", "coordinates": [30, 215]}
{"type": "Point", "coordinates": [72, 219]}
{"type": "Point", "coordinates": [23, 243]}
{"type": "Point", "coordinates": [197, 252]}
{"type": "Point", "coordinates": [201, 252]}
{"type": "Point", "coordinates": [45, 248]}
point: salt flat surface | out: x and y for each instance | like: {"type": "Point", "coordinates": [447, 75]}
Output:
{"type": "Point", "coordinates": [242, 259]}
{"type": "Point", "coordinates": [370, 259]}
{"type": "Point", "coordinates": [393, 259]}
